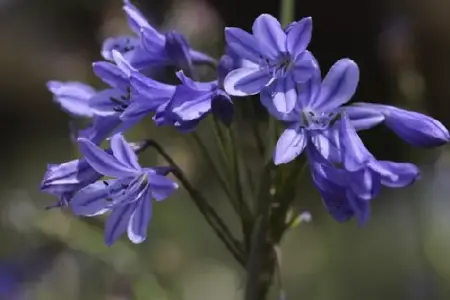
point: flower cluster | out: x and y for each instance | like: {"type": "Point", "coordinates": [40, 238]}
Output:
{"type": "Point", "coordinates": [271, 61]}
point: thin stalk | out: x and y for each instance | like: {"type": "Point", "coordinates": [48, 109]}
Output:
{"type": "Point", "coordinates": [208, 212]}
{"type": "Point", "coordinates": [206, 154]}
{"type": "Point", "coordinates": [287, 11]}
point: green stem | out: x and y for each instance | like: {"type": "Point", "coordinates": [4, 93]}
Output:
{"type": "Point", "coordinates": [208, 212]}
{"type": "Point", "coordinates": [287, 12]}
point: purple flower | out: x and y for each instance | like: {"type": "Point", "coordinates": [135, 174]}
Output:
{"type": "Point", "coordinates": [348, 184]}
{"type": "Point", "coordinates": [151, 48]}
{"type": "Point", "coordinates": [279, 58]}
{"type": "Point", "coordinates": [316, 110]}
{"type": "Point", "coordinates": [415, 128]}
{"type": "Point", "coordinates": [73, 97]}
{"type": "Point", "coordinates": [128, 196]}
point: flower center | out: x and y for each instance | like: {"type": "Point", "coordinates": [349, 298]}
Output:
{"type": "Point", "coordinates": [129, 190]}
{"type": "Point", "coordinates": [123, 101]}
{"type": "Point", "coordinates": [318, 121]}
{"type": "Point", "coordinates": [279, 67]}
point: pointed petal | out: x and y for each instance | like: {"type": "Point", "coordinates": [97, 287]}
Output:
{"type": "Point", "coordinates": [104, 103]}
{"type": "Point", "coordinates": [111, 75]}
{"type": "Point", "coordinates": [72, 96]}
{"type": "Point", "coordinates": [299, 36]}
{"type": "Point", "coordinates": [123, 65]}
{"type": "Point", "coordinates": [284, 95]}
{"type": "Point", "coordinates": [245, 81]}
{"type": "Point", "coordinates": [201, 58]}
{"type": "Point", "coordinates": [177, 49]}
{"type": "Point", "coordinates": [91, 200]}
{"type": "Point", "coordinates": [196, 85]}
{"type": "Point", "coordinates": [117, 222]}
{"type": "Point", "coordinates": [242, 43]}
{"type": "Point", "coordinates": [269, 35]}
{"type": "Point", "coordinates": [123, 152]}
{"type": "Point", "coordinates": [305, 67]}
{"type": "Point", "coordinates": [268, 102]}
{"type": "Point", "coordinates": [338, 86]}
{"type": "Point", "coordinates": [355, 154]}
{"type": "Point", "coordinates": [135, 18]}
{"type": "Point", "coordinates": [137, 227]}
{"type": "Point", "coordinates": [363, 117]}
{"type": "Point", "coordinates": [291, 144]}
{"type": "Point", "coordinates": [103, 162]}
{"type": "Point", "coordinates": [406, 173]}
{"type": "Point", "coordinates": [161, 187]}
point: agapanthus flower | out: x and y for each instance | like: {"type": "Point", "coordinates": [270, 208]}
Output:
{"type": "Point", "coordinates": [280, 60]}
{"type": "Point", "coordinates": [193, 100]}
{"type": "Point", "coordinates": [347, 185]}
{"type": "Point", "coordinates": [151, 48]}
{"type": "Point", "coordinates": [81, 100]}
{"type": "Point", "coordinates": [413, 127]}
{"type": "Point", "coordinates": [128, 195]}
{"type": "Point", "coordinates": [316, 111]}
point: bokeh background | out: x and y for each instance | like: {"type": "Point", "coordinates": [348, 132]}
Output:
{"type": "Point", "coordinates": [403, 50]}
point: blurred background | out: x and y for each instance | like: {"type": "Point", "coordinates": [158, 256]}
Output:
{"type": "Point", "coordinates": [403, 50]}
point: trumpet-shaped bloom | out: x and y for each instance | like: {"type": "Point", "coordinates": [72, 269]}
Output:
{"type": "Point", "coordinates": [316, 111]}
{"type": "Point", "coordinates": [279, 60]}
{"type": "Point", "coordinates": [128, 196]}
{"type": "Point", "coordinates": [415, 128]}
{"type": "Point", "coordinates": [347, 185]}
{"type": "Point", "coordinates": [151, 48]}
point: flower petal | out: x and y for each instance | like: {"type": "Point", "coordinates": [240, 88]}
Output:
{"type": "Point", "coordinates": [161, 187]}
{"type": "Point", "coordinates": [103, 162]}
{"type": "Point", "coordinates": [406, 173]}
{"type": "Point", "coordinates": [242, 43]}
{"type": "Point", "coordinates": [415, 128]}
{"type": "Point", "coordinates": [123, 65]}
{"type": "Point", "coordinates": [299, 36]}
{"type": "Point", "coordinates": [190, 104]}
{"type": "Point", "coordinates": [149, 88]}
{"type": "Point", "coordinates": [117, 222]}
{"type": "Point", "coordinates": [91, 200]}
{"type": "Point", "coordinates": [362, 117]}
{"type": "Point", "coordinates": [245, 81]}
{"type": "Point", "coordinates": [72, 96]}
{"type": "Point", "coordinates": [104, 103]}
{"type": "Point", "coordinates": [305, 67]}
{"type": "Point", "coordinates": [153, 43]}
{"type": "Point", "coordinates": [338, 86]}
{"type": "Point", "coordinates": [137, 227]}
{"type": "Point", "coordinates": [68, 177]}
{"type": "Point", "coordinates": [291, 144]}
{"type": "Point", "coordinates": [365, 184]}
{"type": "Point", "coordinates": [111, 75]}
{"type": "Point", "coordinates": [284, 95]}
{"type": "Point", "coordinates": [135, 18]}
{"type": "Point", "coordinates": [355, 154]}
{"type": "Point", "coordinates": [123, 152]}
{"type": "Point", "coordinates": [269, 35]}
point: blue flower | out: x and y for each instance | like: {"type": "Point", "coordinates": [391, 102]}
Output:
{"type": "Point", "coordinates": [151, 48]}
{"type": "Point", "coordinates": [316, 111]}
{"type": "Point", "coordinates": [73, 97]}
{"type": "Point", "coordinates": [415, 128]}
{"type": "Point", "coordinates": [128, 196]}
{"type": "Point", "coordinates": [279, 58]}
{"type": "Point", "coordinates": [348, 184]}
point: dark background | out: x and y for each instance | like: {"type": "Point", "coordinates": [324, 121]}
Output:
{"type": "Point", "coordinates": [403, 50]}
